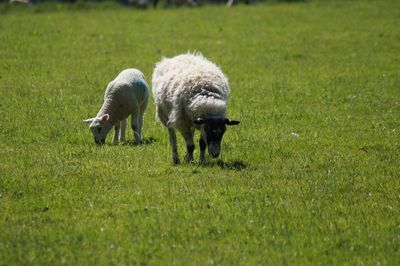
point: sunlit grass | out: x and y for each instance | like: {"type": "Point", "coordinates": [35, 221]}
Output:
{"type": "Point", "coordinates": [310, 176]}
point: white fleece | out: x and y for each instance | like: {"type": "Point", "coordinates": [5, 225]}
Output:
{"type": "Point", "coordinates": [127, 94]}
{"type": "Point", "coordinates": [187, 87]}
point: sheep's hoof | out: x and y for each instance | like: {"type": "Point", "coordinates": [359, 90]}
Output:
{"type": "Point", "coordinates": [176, 160]}
{"type": "Point", "coordinates": [202, 160]}
{"type": "Point", "coordinates": [188, 159]}
{"type": "Point", "coordinates": [137, 142]}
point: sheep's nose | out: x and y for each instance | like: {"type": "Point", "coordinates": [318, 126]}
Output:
{"type": "Point", "coordinates": [99, 142]}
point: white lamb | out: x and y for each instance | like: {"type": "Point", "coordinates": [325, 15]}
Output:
{"type": "Point", "coordinates": [191, 93]}
{"type": "Point", "coordinates": [127, 94]}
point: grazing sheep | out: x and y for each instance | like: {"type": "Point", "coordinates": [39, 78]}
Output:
{"type": "Point", "coordinates": [127, 94]}
{"type": "Point", "coordinates": [191, 93]}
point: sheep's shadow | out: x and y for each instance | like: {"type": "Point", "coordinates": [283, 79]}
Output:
{"type": "Point", "coordinates": [234, 165]}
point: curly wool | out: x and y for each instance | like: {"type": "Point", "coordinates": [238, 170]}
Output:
{"type": "Point", "coordinates": [187, 87]}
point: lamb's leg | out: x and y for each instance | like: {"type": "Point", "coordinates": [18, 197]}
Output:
{"type": "Point", "coordinates": [137, 131]}
{"type": "Point", "coordinates": [141, 119]}
{"type": "Point", "coordinates": [117, 128]}
{"type": "Point", "coordinates": [203, 146]}
{"type": "Point", "coordinates": [188, 136]}
{"type": "Point", "coordinates": [122, 130]}
{"type": "Point", "coordinates": [174, 146]}
{"type": "Point", "coordinates": [141, 115]}
{"type": "Point", "coordinates": [140, 127]}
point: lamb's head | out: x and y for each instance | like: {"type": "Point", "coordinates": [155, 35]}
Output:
{"type": "Point", "coordinates": [212, 130]}
{"type": "Point", "coordinates": [99, 127]}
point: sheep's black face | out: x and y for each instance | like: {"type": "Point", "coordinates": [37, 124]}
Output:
{"type": "Point", "coordinates": [212, 131]}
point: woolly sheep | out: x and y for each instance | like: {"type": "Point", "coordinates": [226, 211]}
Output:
{"type": "Point", "coordinates": [191, 93]}
{"type": "Point", "coordinates": [127, 94]}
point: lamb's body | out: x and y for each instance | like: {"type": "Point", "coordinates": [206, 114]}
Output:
{"type": "Point", "coordinates": [126, 95]}
{"type": "Point", "coordinates": [186, 88]}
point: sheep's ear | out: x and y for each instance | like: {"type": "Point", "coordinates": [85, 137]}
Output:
{"type": "Point", "coordinates": [231, 122]}
{"type": "Point", "coordinates": [199, 121]}
{"type": "Point", "coordinates": [105, 118]}
{"type": "Point", "coordinates": [89, 120]}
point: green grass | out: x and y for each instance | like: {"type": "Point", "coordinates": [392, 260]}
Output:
{"type": "Point", "coordinates": [310, 176]}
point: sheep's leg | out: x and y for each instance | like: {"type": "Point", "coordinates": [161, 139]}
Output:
{"type": "Point", "coordinates": [174, 146]}
{"type": "Point", "coordinates": [188, 136]}
{"type": "Point", "coordinates": [203, 146]}
{"type": "Point", "coordinates": [117, 128]}
{"type": "Point", "coordinates": [122, 130]}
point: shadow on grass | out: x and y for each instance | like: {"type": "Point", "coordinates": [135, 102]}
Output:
{"type": "Point", "coordinates": [145, 141]}
{"type": "Point", "coordinates": [234, 165]}
{"type": "Point", "coordinates": [149, 140]}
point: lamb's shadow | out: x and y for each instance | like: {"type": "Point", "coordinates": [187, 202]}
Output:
{"type": "Point", "coordinates": [145, 141]}
{"type": "Point", "coordinates": [234, 165]}
{"type": "Point", "coordinates": [149, 140]}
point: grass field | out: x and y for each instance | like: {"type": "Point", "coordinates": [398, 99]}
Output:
{"type": "Point", "coordinates": [310, 176]}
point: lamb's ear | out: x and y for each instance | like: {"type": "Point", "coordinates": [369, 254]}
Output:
{"type": "Point", "coordinates": [231, 122]}
{"type": "Point", "coordinates": [105, 118]}
{"type": "Point", "coordinates": [89, 120]}
{"type": "Point", "coordinates": [199, 121]}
